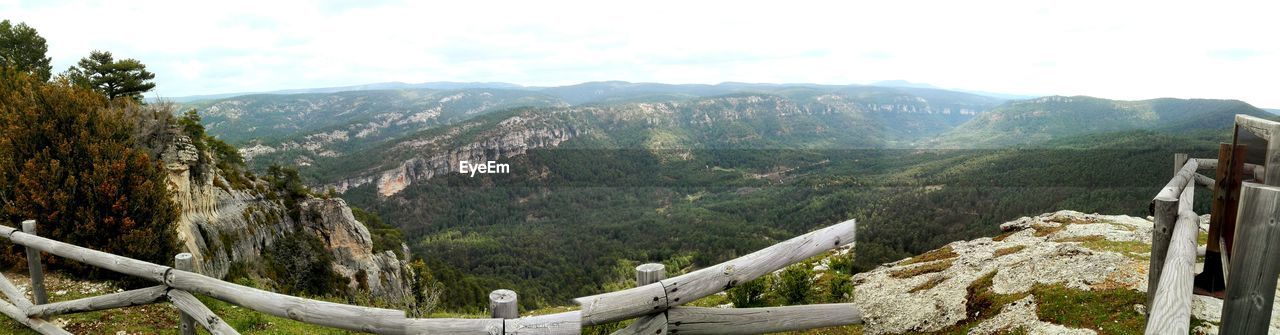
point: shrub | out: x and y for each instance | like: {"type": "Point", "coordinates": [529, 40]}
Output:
{"type": "Point", "coordinates": [69, 159]}
{"type": "Point", "coordinates": [795, 285]}
{"type": "Point", "coordinates": [299, 263]}
{"type": "Point", "coordinates": [749, 294]}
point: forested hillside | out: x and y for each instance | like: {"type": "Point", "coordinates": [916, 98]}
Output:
{"type": "Point", "coordinates": [1038, 120]}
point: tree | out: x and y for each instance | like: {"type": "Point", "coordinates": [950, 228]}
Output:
{"type": "Point", "coordinates": [71, 162]}
{"type": "Point", "coordinates": [23, 49]}
{"type": "Point", "coordinates": [115, 79]}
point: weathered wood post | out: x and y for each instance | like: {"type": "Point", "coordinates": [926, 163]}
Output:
{"type": "Point", "coordinates": [650, 273]}
{"type": "Point", "coordinates": [652, 324]}
{"type": "Point", "coordinates": [1251, 287]}
{"type": "Point", "coordinates": [1179, 159]}
{"type": "Point", "coordinates": [35, 267]}
{"type": "Point", "coordinates": [187, 324]}
{"type": "Point", "coordinates": [1166, 216]}
{"type": "Point", "coordinates": [502, 304]}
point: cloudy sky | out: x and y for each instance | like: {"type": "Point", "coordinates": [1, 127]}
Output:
{"type": "Point", "coordinates": [1113, 49]}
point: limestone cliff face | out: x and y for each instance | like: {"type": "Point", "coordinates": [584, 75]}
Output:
{"type": "Point", "coordinates": [223, 223]}
{"type": "Point", "coordinates": [383, 273]}
{"type": "Point", "coordinates": [1095, 257]}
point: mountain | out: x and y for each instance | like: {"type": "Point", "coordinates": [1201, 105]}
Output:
{"type": "Point", "coordinates": [1026, 122]}
{"type": "Point", "coordinates": [276, 128]}
{"type": "Point", "coordinates": [1272, 110]}
{"type": "Point", "coordinates": [437, 85]}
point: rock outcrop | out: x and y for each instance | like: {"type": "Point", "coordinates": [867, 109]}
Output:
{"type": "Point", "coordinates": [348, 240]}
{"type": "Point", "coordinates": [223, 223]}
{"type": "Point", "coordinates": [1063, 253]}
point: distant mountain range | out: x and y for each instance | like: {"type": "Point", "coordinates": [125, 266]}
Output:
{"type": "Point", "coordinates": [605, 86]}
{"type": "Point", "coordinates": [705, 172]}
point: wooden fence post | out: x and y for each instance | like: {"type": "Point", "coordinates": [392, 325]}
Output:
{"type": "Point", "coordinates": [650, 273]}
{"type": "Point", "coordinates": [1178, 161]}
{"type": "Point", "coordinates": [652, 324]}
{"type": "Point", "coordinates": [34, 266]}
{"type": "Point", "coordinates": [1165, 211]}
{"type": "Point", "coordinates": [502, 304]}
{"type": "Point", "coordinates": [187, 324]}
{"type": "Point", "coordinates": [1251, 288]}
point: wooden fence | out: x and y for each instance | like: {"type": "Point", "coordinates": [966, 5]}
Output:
{"type": "Point", "coordinates": [655, 302]}
{"type": "Point", "coordinates": [1254, 262]}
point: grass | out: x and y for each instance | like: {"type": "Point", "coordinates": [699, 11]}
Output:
{"type": "Point", "coordinates": [1096, 242]}
{"type": "Point", "coordinates": [938, 266]}
{"type": "Point", "coordinates": [1004, 235]}
{"type": "Point", "coordinates": [928, 284]}
{"type": "Point", "coordinates": [1042, 231]}
{"type": "Point", "coordinates": [1106, 311]}
{"type": "Point", "coordinates": [1009, 250]}
{"type": "Point", "coordinates": [932, 255]}
{"type": "Point", "coordinates": [981, 303]}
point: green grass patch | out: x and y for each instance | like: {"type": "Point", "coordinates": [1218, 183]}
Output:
{"type": "Point", "coordinates": [981, 303]}
{"type": "Point", "coordinates": [928, 284]}
{"type": "Point", "coordinates": [938, 266]}
{"type": "Point", "coordinates": [1009, 250]}
{"type": "Point", "coordinates": [933, 255]}
{"type": "Point", "coordinates": [1106, 311]}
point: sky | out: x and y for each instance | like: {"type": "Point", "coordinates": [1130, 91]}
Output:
{"type": "Point", "coordinates": [1111, 49]}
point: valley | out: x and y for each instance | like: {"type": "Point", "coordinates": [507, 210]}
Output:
{"type": "Point", "coordinates": [701, 174]}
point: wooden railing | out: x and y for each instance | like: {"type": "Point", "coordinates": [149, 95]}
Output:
{"type": "Point", "coordinates": [1254, 261]}
{"type": "Point", "coordinates": [654, 303]}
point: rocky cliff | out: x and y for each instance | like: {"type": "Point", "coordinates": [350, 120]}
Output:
{"type": "Point", "coordinates": [228, 218]}
{"type": "Point", "coordinates": [1057, 273]}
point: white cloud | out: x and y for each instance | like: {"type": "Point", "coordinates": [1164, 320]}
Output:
{"type": "Point", "coordinates": [1114, 49]}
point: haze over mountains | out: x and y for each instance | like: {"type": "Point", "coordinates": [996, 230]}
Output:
{"type": "Point", "coordinates": [701, 173]}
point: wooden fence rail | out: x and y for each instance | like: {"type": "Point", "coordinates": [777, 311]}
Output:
{"type": "Point", "coordinates": [654, 305]}
{"type": "Point", "coordinates": [656, 300]}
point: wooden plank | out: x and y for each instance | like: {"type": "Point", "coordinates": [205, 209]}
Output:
{"type": "Point", "coordinates": [1272, 173]}
{"type": "Point", "coordinates": [349, 317]}
{"type": "Point", "coordinates": [567, 323]}
{"type": "Point", "coordinates": [731, 321]}
{"type": "Point", "coordinates": [92, 257]}
{"type": "Point", "coordinates": [1249, 168]}
{"type": "Point", "coordinates": [34, 267]}
{"type": "Point", "coordinates": [38, 325]}
{"type": "Point", "coordinates": [13, 293]}
{"type": "Point", "coordinates": [142, 296]}
{"type": "Point", "coordinates": [444, 326]}
{"type": "Point", "coordinates": [502, 304]}
{"type": "Point", "coordinates": [1171, 309]}
{"type": "Point", "coordinates": [189, 305]}
{"type": "Point", "coordinates": [1204, 180]}
{"type": "Point", "coordinates": [186, 323]}
{"type": "Point", "coordinates": [1261, 127]}
{"type": "Point", "coordinates": [1251, 287]}
{"type": "Point", "coordinates": [631, 303]}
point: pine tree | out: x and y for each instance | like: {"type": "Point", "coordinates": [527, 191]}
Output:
{"type": "Point", "coordinates": [23, 49]}
{"type": "Point", "coordinates": [113, 78]}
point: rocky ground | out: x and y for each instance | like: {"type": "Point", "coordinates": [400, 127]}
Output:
{"type": "Point", "coordinates": [1057, 273]}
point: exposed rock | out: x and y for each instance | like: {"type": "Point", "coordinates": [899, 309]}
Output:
{"type": "Point", "coordinates": [352, 248]}
{"type": "Point", "coordinates": [1078, 251]}
{"type": "Point", "coordinates": [221, 224]}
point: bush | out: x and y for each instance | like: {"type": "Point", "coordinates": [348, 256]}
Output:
{"type": "Point", "coordinates": [299, 264]}
{"type": "Point", "coordinates": [749, 294]}
{"type": "Point", "coordinates": [70, 160]}
{"type": "Point", "coordinates": [795, 285]}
